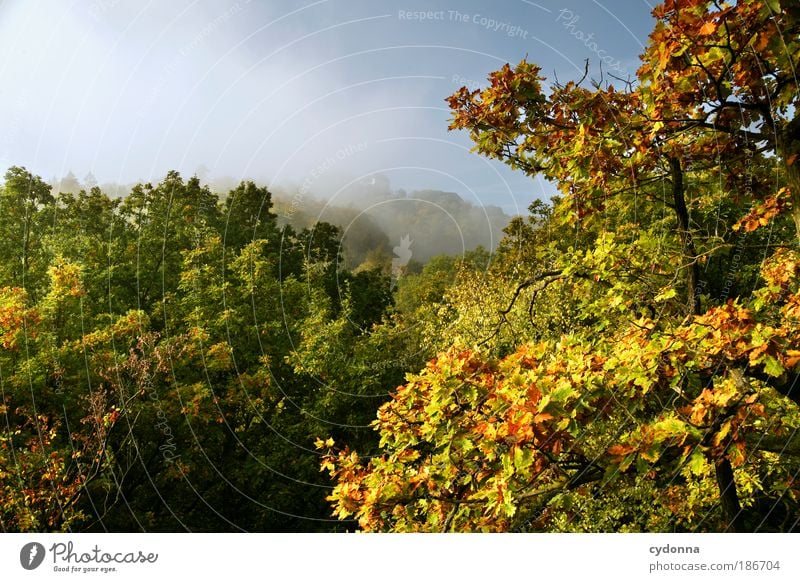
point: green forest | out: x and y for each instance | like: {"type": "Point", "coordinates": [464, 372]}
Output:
{"type": "Point", "coordinates": [624, 359]}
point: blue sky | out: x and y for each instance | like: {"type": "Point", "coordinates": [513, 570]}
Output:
{"type": "Point", "coordinates": [319, 93]}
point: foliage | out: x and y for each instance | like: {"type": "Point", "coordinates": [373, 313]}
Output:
{"type": "Point", "coordinates": [647, 358]}
{"type": "Point", "coordinates": [177, 360]}
{"type": "Point", "coordinates": [149, 362]}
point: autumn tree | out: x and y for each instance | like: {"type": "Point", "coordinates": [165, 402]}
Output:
{"type": "Point", "coordinates": [657, 382]}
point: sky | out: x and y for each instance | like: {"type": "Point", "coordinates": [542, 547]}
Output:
{"type": "Point", "coordinates": [312, 95]}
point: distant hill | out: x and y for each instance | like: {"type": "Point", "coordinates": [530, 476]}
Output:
{"type": "Point", "coordinates": [373, 217]}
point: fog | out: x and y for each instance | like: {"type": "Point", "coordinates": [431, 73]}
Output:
{"type": "Point", "coordinates": [373, 217]}
{"type": "Point", "coordinates": [308, 96]}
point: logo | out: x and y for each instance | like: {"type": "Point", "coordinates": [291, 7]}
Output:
{"type": "Point", "coordinates": [31, 555]}
{"type": "Point", "coordinates": [402, 257]}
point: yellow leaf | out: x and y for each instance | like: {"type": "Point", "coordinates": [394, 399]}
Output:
{"type": "Point", "coordinates": [724, 430]}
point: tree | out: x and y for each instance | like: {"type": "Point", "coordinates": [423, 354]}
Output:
{"type": "Point", "coordinates": [25, 202]}
{"type": "Point", "coordinates": [655, 383]}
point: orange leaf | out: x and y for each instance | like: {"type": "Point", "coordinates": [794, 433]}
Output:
{"type": "Point", "coordinates": [620, 450]}
{"type": "Point", "coordinates": [792, 358]}
{"type": "Point", "coordinates": [708, 28]}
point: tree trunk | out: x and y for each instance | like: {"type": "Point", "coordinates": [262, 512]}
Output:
{"type": "Point", "coordinates": [684, 230]}
{"type": "Point", "coordinates": [729, 497]}
{"type": "Point", "coordinates": [789, 150]}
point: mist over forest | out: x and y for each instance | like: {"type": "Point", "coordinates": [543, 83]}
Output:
{"type": "Point", "coordinates": [374, 217]}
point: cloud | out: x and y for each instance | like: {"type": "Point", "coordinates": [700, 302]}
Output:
{"type": "Point", "coordinates": [268, 90]}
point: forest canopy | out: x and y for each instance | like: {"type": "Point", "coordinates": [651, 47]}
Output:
{"type": "Point", "coordinates": [625, 358]}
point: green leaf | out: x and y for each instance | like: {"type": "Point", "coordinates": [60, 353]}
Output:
{"type": "Point", "coordinates": [523, 457]}
{"type": "Point", "coordinates": [562, 393]}
{"type": "Point", "coordinates": [668, 293]}
{"type": "Point", "coordinates": [697, 462]}
{"type": "Point", "coordinates": [772, 366]}
{"type": "Point", "coordinates": [668, 428]}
